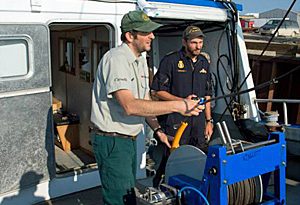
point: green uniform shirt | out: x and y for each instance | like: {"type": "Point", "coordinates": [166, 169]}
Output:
{"type": "Point", "coordinates": [118, 69]}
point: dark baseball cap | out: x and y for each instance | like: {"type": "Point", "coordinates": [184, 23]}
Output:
{"type": "Point", "coordinates": [192, 32]}
{"type": "Point", "coordinates": [138, 21]}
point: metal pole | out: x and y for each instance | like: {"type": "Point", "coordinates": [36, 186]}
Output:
{"type": "Point", "coordinates": [278, 100]}
{"type": "Point", "coordinates": [285, 114]}
{"type": "Point", "coordinates": [255, 145]}
{"type": "Point", "coordinates": [227, 135]}
{"type": "Point", "coordinates": [221, 133]}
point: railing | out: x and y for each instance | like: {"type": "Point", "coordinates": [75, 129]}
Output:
{"type": "Point", "coordinates": [283, 101]}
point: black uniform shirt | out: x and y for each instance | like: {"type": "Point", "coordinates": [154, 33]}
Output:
{"type": "Point", "coordinates": [178, 75]}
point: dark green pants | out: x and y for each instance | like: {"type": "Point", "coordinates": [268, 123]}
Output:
{"type": "Point", "coordinates": [116, 159]}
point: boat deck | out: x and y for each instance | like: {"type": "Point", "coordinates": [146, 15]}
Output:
{"type": "Point", "coordinates": [93, 196]}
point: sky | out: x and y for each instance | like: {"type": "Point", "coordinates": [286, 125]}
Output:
{"type": "Point", "coordinates": [257, 6]}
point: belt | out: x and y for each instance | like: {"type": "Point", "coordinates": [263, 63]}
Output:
{"type": "Point", "coordinates": [111, 134]}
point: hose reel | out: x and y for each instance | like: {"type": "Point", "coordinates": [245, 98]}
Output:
{"type": "Point", "coordinates": [190, 161]}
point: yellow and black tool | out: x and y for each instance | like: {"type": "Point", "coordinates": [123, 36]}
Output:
{"type": "Point", "coordinates": [183, 126]}
{"type": "Point", "coordinates": [178, 135]}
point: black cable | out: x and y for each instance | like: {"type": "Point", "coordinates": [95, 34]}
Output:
{"type": "Point", "coordinates": [232, 7]}
{"type": "Point", "coordinates": [232, 44]}
{"type": "Point", "coordinates": [230, 83]}
{"type": "Point", "coordinates": [229, 43]}
{"type": "Point", "coordinates": [214, 83]}
{"type": "Point", "coordinates": [235, 56]}
{"type": "Point", "coordinates": [269, 42]}
{"type": "Point", "coordinates": [219, 78]}
{"type": "Point", "coordinates": [260, 86]}
{"type": "Point", "coordinates": [229, 52]}
{"type": "Point", "coordinates": [227, 30]}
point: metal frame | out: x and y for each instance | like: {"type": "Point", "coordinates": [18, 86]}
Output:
{"type": "Point", "coordinates": [284, 103]}
{"type": "Point", "coordinates": [223, 169]}
{"type": "Point", "coordinates": [250, 163]}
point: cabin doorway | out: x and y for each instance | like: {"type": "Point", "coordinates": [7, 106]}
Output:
{"type": "Point", "coordinates": [76, 50]}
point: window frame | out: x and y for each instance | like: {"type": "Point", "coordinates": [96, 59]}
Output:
{"type": "Point", "coordinates": [29, 55]}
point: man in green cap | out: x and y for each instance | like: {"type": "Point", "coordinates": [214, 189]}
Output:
{"type": "Point", "coordinates": [120, 103]}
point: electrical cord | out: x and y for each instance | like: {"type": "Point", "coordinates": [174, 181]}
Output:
{"type": "Point", "coordinates": [194, 189]}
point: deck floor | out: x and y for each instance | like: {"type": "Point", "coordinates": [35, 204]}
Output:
{"type": "Point", "coordinates": [77, 158]}
{"type": "Point", "coordinates": [74, 159]}
{"type": "Point", "coordinates": [93, 196]}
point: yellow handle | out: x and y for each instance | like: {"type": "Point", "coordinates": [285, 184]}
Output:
{"type": "Point", "coordinates": [178, 135]}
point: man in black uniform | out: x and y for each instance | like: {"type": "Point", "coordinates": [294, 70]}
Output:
{"type": "Point", "coordinates": [185, 74]}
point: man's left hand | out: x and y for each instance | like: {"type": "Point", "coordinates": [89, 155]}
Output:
{"type": "Point", "coordinates": [208, 131]}
{"type": "Point", "coordinates": [163, 138]}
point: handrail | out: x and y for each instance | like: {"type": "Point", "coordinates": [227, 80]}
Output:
{"type": "Point", "coordinates": [284, 101]}
{"type": "Point", "coordinates": [278, 100]}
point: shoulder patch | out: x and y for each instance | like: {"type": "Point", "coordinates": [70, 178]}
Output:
{"type": "Point", "coordinates": [170, 53]}
{"type": "Point", "coordinates": [206, 55]}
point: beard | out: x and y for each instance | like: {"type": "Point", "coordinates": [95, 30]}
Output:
{"type": "Point", "coordinates": [143, 47]}
{"type": "Point", "coordinates": [193, 52]}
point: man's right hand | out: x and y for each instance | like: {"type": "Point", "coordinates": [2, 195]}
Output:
{"type": "Point", "coordinates": [191, 107]}
{"type": "Point", "coordinates": [191, 97]}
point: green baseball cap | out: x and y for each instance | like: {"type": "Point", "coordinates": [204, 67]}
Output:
{"type": "Point", "coordinates": [192, 32]}
{"type": "Point", "coordinates": [138, 21]}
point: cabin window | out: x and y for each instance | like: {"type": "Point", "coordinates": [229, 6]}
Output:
{"type": "Point", "coordinates": [99, 48]}
{"type": "Point", "coordinates": [67, 55]}
{"type": "Point", "coordinates": [14, 57]}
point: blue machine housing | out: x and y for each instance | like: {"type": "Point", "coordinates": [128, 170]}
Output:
{"type": "Point", "coordinates": [230, 169]}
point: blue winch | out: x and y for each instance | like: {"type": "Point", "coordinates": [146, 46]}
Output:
{"type": "Point", "coordinates": [236, 172]}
